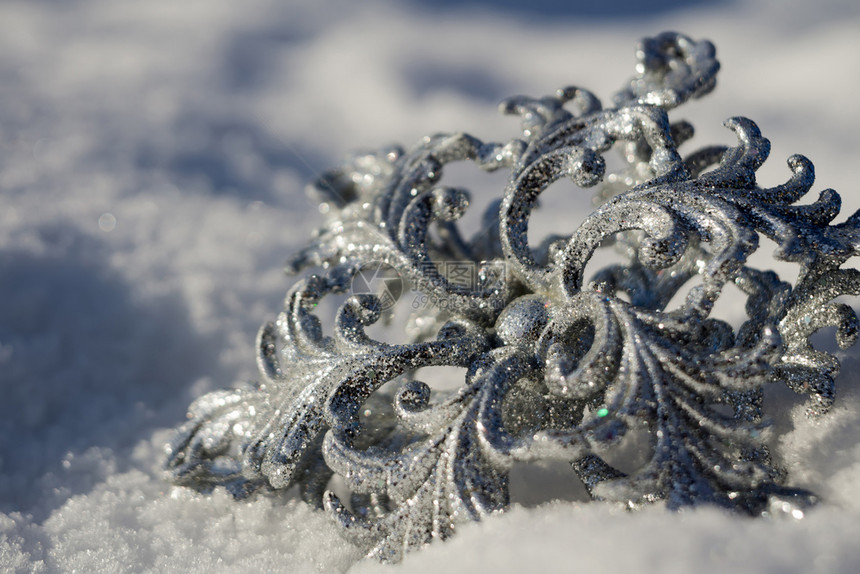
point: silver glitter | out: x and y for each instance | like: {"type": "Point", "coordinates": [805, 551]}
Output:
{"type": "Point", "coordinates": [556, 366]}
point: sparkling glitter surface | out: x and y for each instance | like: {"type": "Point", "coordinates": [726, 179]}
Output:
{"type": "Point", "coordinates": [557, 365]}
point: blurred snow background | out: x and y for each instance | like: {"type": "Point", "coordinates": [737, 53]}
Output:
{"type": "Point", "coordinates": [152, 161]}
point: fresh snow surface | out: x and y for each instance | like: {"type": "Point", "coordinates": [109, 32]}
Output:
{"type": "Point", "coordinates": [152, 161]}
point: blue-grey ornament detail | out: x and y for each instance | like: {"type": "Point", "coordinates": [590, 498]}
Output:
{"type": "Point", "coordinates": [557, 365]}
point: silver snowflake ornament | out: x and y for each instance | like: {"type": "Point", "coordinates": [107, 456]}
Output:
{"type": "Point", "coordinates": [557, 365]}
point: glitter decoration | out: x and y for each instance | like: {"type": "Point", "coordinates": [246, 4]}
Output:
{"type": "Point", "coordinates": [557, 366]}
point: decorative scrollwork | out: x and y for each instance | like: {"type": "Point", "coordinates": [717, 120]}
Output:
{"type": "Point", "coordinates": [557, 366]}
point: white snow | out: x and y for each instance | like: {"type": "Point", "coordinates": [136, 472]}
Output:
{"type": "Point", "coordinates": [152, 161]}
